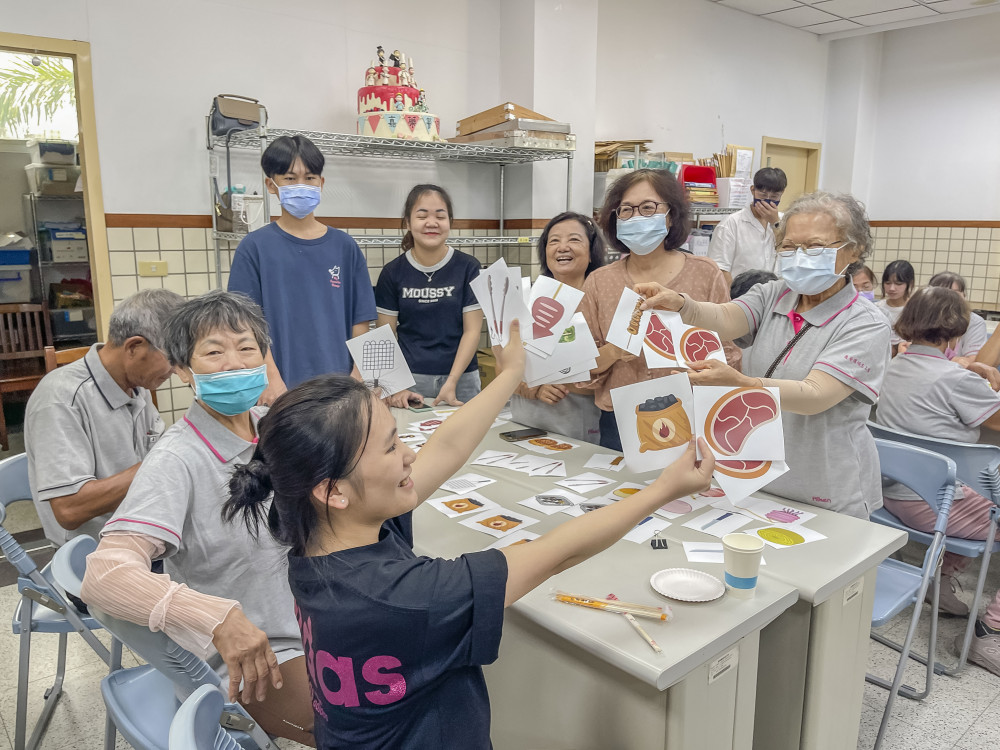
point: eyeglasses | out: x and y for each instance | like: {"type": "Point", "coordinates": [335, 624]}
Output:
{"type": "Point", "coordinates": [788, 250]}
{"type": "Point", "coordinates": [646, 208]}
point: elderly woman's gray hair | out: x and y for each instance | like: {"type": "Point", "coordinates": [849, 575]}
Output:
{"type": "Point", "coordinates": [143, 314]}
{"type": "Point", "coordinates": [848, 214]}
{"type": "Point", "coordinates": [214, 311]}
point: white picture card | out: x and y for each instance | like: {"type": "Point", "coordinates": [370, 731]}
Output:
{"type": "Point", "coordinates": [740, 423]}
{"type": "Point", "coordinates": [379, 359]}
{"type": "Point", "coordinates": [574, 351]}
{"type": "Point", "coordinates": [551, 306]}
{"type": "Point", "coordinates": [628, 326]}
{"type": "Point", "coordinates": [499, 522]}
{"type": "Point", "coordinates": [655, 421]}
{"type": "Point", "coordinates": [658, 342]}
{"type": "Point", "coordinates": [498, 291]}
{"type": "Point", "coordinates": [694, 344]}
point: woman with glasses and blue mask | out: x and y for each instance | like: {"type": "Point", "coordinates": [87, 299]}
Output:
{"type": "Point", "coordinates": [645, 218]}
{"type": "Point", "coordinates": [225, 594]}
{"type": "Point", "coordinates": [812, 336]}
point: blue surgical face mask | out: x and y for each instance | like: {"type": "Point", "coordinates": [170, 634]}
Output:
{"type": "Point", "coordinates": [811, 274]}
{"type": "Point", "coordinates": [299, 200]}
{"type": "Point", "coordinates": [230, 392]}
{"type": "Point", "coordinates": [870, 296]}
{"type": "Point", "coordinates": [642, 234]}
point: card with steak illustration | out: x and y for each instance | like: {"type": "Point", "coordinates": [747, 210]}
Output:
{"type": "Point", "coordinates": [658, 343]}
{"type": "Point", "coordinates": [551, 306]}
{"type": "Point", "coordinates": [467, 504]}
{"type": "Point", "coordinates": [498, 522]}
{"type": "Point", "coordinates": [655, 420]}
{"type": "Point", "coordinates": [628, 326]}
{"type": "Point", "coordinates": [740, 423]}
{"type": "Point", "coordinates": [741, 478]}
{"type": "Point", "coordinates": [695, 344]}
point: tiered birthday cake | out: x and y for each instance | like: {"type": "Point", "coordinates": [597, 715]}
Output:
{"type": "Point", "coordinates": [390, 105]}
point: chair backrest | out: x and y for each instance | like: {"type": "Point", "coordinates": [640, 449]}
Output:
{"type": "Point", "coordinates": [930, 475]}
{"type": "Point", "coordinates": [196, 724]}
{"type": "Point", "coordinates": [25, 330]}
{"type": "Point", "coordinates": [977, 465]}
{"type": "Point", "coordinates": [184, 669]}
{"type": "Point", "coordinates": [13, 488]}
{"type": "Point", "coordinates": [58, 357]}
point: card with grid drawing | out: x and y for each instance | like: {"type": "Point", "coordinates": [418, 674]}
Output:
{"type": "Point", "coordinates": [379, 359]}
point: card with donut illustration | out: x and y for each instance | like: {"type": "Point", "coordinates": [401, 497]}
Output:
{"type": "Point", "coordinates": [498, 522]}
{"type": "Point", "coordinates": [551, 306]}
{"type": "Point", "coordinates": [693, 344]}
{"type": "Point", "coordinates": [462, 505]}
{"type": "Point", "coordinates": [658, 342]}
{"type": "Point", "coordinates": [740, 423]}
{"type": "Point", "coordinates": [628, 326]}
{"type": "Point", "coordinates": [655, 421]}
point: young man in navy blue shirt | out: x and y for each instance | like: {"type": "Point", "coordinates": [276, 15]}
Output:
{"type": "Point", "coordinates": [310, 280]}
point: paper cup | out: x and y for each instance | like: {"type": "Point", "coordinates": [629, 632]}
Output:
{"type": "Point", "coordinates": [742, 554]}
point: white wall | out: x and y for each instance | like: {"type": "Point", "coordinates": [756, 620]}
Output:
{"type": "Point", "coordinates": [693, 76]}
{"type": "Point", "coordinates": [937, 148]}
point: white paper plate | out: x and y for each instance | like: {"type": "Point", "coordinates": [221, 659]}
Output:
{"type": "Point", "coordinates": [687, 585]}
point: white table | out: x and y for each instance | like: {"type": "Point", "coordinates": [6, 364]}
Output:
{"type": "Point", "coordinates": [568, 677]}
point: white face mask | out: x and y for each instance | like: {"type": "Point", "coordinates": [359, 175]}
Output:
{"type": "Point", "coordinates": [642, 234]}
{"type": "Point", "coordinates": [811, 273]}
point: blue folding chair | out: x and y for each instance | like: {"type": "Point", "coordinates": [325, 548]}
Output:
{"type": "Point", "coordinates": [899, 585]}
{"type": "Point", "coordinates": [977, 466]}
{"type": "Point", "coordinates": [196, 724]}
{"type": "Point", "coordinates": [42, 609]}
{"type": "Point", "coordinates": [142, 701]}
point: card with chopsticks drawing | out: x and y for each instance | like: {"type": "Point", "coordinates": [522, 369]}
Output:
{"type": "Point", "coordinates": [379, 358]}
{"type": "Point", "coordinates": [461, 505]}
{"type": "Point", "coordinates": [586, 483]}
{"type": "Point", "coordinates": [498, 291]}
{"type": "Point", "coordinates": [628, 326]}
{"type": "Point", "coordinates": [551, 307]}
{"type": "Point", "coordinates": [498, 522]}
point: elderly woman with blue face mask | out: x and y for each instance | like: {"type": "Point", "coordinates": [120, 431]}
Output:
{"type": "Point", "coordinates": [645, 218]}
{"type": "Point", "coordinates": [224, 594]}
{"type": "Point", "coordinates": [810, 335]}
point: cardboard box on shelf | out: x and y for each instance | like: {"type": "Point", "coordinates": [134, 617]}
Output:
{"type": "Point", "coordinates": [495, 116]}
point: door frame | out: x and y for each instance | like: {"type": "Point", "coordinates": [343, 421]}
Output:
{"type": "Point", "coordinates": [93, 196]}
{"type": "Point", "coordinates": [812, 157]}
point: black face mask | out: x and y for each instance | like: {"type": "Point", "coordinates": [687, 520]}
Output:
{"type": "Point", "coordinates": [769, 201]}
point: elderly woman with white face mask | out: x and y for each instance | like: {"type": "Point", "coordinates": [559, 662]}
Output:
{"type": "Point", "coordinates": [810, 335]}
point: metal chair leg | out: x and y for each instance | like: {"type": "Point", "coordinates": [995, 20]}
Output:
{"type": "Point", "coordinates": [24, 659]}
{"type": "Point", "coordinates": [110, 731]}
{"type": "Point", "coordinates": [51, 697]}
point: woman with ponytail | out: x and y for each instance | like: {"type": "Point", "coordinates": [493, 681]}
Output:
{"type": "Point", "coordinates": [424, 295]}
{"type": "Point", "coordinates": [395, 643]}
{"type": "Point", "coordinates": [225, 593]}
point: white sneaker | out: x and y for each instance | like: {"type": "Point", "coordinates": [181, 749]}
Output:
{"type": "Point", "coordinates": [948, 601]}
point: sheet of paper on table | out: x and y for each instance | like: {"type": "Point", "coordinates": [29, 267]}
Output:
{"type": "Point", "coordinates": [553, 501]}
{"type": "Point", "coordinates": [427, 426]}
{"type": "Point", "coordinates": [588, 505]}
{"type": "Point", "coordinates": [455, 506]}
{"type": "Point", "coordinates": [525, 463]}
{"type": "Point", "coordinates": [495, 458]}
{"type": "Point", "coordinates": [624, 490]}
{"type": "Point", "coordinates": [781, 537]}
{"type": "Point", "coordinates": [413, 438]}
{"type": "Point", "coordinates": [629, 323]}
{"type": "Point", "coordinates": [682, 506]}
{"type": "Point", "coordinates": [606, 462]}
{"type": "Point", "coordinates": [766, 511]}
{"type": "Point", "coordinates": [549, 469]}
{"type": "Point", "coordinates": [646, 529]}
{"type": "Point", "coordinates": [547, 446]}
{"type": "Point", "coordinates": [707, 552]}
{"type": "Point", "coordinates": [518, 537]}
{"type": "Point", "coordinates": [585, 483]}
{"type": "Point", "coordinates": [379, 358]}
{"type": "Point", "coordinates": [466, 483]}
{"type": "Point", "coordinates": [498, 522]}
{"type": "Point", "coordinates": [718, 523]}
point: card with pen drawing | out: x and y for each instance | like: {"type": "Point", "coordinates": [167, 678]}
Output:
{"type": "Point", "coordinates": [498, 291]}
{"type": "Point", "coordinates": [718, 522]}
{"type": "Point", "coordinates": [498, 522]}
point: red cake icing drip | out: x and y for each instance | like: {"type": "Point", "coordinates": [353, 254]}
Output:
{"type": "Point", "coordinates": [385, 95]}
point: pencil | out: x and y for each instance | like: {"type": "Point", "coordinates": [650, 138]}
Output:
{"type": "Point", "coordinates": [639, 629]}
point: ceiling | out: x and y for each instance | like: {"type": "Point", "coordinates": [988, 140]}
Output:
{"type": "Point", "coordinates": [850, 17]}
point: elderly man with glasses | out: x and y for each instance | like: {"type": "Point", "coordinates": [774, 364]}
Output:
{"type": "Point", "coordinates": [89, 424]}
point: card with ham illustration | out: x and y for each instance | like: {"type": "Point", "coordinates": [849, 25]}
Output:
{"type": "Point", "coordinates": [498, 522]}
{"type": "Point", "coordinates": [655, 420]}
{"type": "Point", "coordinates": [695, 344]}
{"type": "Point", "coordinates": [740, 479]}
{"type": "Point", "coordinates": [629, 324]}
{"type": "Point", "coordinates": [658, 343]}
{"type": "Point", "coordinates": [551, 307]}
{"type": "Point", "coordinates": [740, 423]}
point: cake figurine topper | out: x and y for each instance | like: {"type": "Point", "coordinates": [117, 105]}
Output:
{"type": "Point", "coordinates": [398, 103]}
{"type": "Point", "coordinates": [381, 55]}
{"type": "Point", "coordinates": [370, 77]}
{"type": "Point", "coordinates": [395, 59]}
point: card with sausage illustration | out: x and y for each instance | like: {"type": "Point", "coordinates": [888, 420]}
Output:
{"type": "Point", "coordinates": [658, 342]}
{"type": "Point", "coordinates": [462, 505]}
{"type": "Point", "coordinates": [551, 307]}
{"type": "Point", "coordinates": [655, 420]}
{"type": "Point", "coordinates": [741, 423]}
{"type": "Point", "coordinates": [693, 344]}
{"type": "Point", "coordinates": [498, 522]}
{"type": "Point", "coordinates": [628, 326]}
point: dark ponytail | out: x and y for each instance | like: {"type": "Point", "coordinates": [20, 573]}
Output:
{"type": "Point", "coordinates": [411, 201]}
{"type": "Point", "coordinates": [313, 433]}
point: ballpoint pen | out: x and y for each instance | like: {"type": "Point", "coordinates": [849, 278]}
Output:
{"type": "Point", "coordinates": [716, 520]}
{"type": "Point", "coordinates": [638, 628]}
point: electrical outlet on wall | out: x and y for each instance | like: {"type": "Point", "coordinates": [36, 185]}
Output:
{"type": "Point", "coordinates": [152, 268]}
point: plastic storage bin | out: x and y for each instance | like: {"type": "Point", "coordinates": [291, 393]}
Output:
{"type": "Point", "coordinates": [75, 321]}
{"type": "Point", "coordinates": [15, 284]}
{"type": "Point", "coordinates": [68, 246]}
{"type": "Point", "coordinates": [57, 152]}
{"type": "Point", "coordinates": [15, 257]}
{"type": "Point", "coordinates": [51, 179]}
